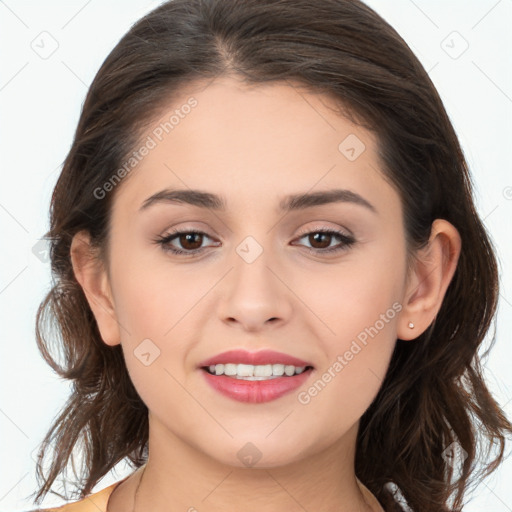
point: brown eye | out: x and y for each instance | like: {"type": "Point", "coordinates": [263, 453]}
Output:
{"type": "Point", "coordinates": [186, 243]}
{"type": "Point", "coordinates": [320, 240]}
{"type": "Point", "coordinates": [191, 241]}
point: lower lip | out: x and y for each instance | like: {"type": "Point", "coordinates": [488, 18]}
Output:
{"type": "Point", "coordinates": [255, 391]}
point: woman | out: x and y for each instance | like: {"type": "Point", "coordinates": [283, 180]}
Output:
{"type": "Point", "coordinates": [271, 282]}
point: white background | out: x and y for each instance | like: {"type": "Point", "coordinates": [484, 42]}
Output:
{"type": "Point", "coordinates": [40, 102]}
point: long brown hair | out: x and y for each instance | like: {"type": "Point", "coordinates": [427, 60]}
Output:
{"type": "Point", "coordinates": [434, 393]}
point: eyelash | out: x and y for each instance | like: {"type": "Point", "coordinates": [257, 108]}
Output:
{"type": "Point", "coordinates": [346, 241]}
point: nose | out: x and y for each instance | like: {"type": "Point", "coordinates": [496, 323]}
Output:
{"type": "Point", "coordinates": [254, 295]}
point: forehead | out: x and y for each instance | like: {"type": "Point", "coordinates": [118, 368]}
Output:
{"type": "Point", "coordinates": [251, 143]}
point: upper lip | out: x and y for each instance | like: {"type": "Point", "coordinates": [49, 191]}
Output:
{"type": "Point", "coordinates": [255, 358]}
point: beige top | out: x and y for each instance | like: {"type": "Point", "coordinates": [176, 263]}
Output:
{"type": "Point", "coordinates": [98, 501]}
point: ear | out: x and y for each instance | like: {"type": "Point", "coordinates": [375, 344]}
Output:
{"type": "Point", "coordinates": [93, 278]}
{"type": "Point", "coordinates": [428, 280]}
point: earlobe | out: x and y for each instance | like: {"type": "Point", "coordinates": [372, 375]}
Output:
{"type": "Point", "coordinates": [433, 271]}
{"type": "Point", "coordinates": [91, 275]}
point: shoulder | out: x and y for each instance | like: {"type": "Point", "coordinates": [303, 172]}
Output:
{"type": "Point", "coordinates": [96, 502]}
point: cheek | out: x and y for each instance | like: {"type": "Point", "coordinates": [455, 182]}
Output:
{"type": "Point", "coordinates": [355, 364]}
{"type": "Point", "coordinates": [151, 299]}
{"type": "Point", "coordinates": [353, 296]}
{"type": "Point", "coordinates": [151, 309]}
{"type": "Point", "coordinates": [359, 305]}
{"type": "Point", "coordinates": [156, 305]}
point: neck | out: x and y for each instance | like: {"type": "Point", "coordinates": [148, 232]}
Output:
{"type": "Point", "coordinates": [177, 476]}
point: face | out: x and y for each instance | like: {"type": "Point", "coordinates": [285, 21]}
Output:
{"type": "Point", "coordinates": [319, 279]}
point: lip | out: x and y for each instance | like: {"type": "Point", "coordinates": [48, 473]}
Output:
{"type": "Point", "coordinates": [255, 358]}
{"type": "Point", "coordinates": [255, 391]}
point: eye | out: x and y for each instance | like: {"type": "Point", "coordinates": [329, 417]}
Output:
{"type": "Point", "coordinates": [190, 241]}
{"type": "Point", "coordinates": [321, 239]}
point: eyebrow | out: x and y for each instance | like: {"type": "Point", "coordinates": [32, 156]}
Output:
{"type": "Point", "coordinates": [289, 203]}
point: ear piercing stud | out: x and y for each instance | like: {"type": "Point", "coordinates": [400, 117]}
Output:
{"type": "Point", "coordinates": [410, 325]}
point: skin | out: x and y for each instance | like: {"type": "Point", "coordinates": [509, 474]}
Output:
{"type": "Point", "coordinates": [254, 145]}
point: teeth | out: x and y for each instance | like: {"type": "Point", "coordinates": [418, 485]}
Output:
{"type": "Point", "coordinates": [255, 372]}
{"type": "Point", "coordinates": [278, 369]}
{"type": "Point", "coordinates": [245, 370]}
{"type": "Point", "coordinates": [229, 369]}
{"type": "Point", "coordinates": [289, 370]}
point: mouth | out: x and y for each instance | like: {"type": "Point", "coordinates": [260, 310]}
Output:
{"type": "Point", "coordinates": [255, 377]}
